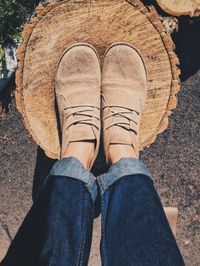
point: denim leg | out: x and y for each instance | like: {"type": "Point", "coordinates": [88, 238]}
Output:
{"type": "Point", "coordinates": [135, 230]}
{"type": "Point", "coordinates": [57, 230]}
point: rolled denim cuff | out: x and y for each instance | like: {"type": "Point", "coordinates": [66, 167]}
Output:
{"type": "Point", "coordinates": [124, 167]}
{"type": "Point", "coordinates": [72, 167]}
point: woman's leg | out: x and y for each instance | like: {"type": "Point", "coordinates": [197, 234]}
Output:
{"type": "Point", "coordinates": [135, 230]}
{"type": "Point", "coordinates": [58, 228]}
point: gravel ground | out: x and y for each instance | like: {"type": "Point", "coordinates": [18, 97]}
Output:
{"type": "Point", "coordinates": [173, 160]}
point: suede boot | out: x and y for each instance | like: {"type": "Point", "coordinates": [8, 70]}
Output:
{"type": "Point", "coordinates": [77, 86]}
{"type": "Point", "coordinates": [124, 91]}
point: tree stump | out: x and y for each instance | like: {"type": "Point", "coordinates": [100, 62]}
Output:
{"type": "Point", "coordinates": [180, 7]}
{"type": "Point", "coordinates": [57, 25]}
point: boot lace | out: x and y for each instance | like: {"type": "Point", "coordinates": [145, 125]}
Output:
{"type": "Point", "coordinates": [124, 113]}
{"type": "Point", "coordinates": [87, 114]}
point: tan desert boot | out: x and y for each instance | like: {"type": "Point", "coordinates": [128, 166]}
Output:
{"type": "Point", "coordinates": [77, 86]}
{"type": "Point", "coordinates": [124, 91]}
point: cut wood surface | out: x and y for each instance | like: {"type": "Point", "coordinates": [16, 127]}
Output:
{"type": "Point", "coordinates": [57, 25]}
{"type": "Point", "coordinates": [180, 7]}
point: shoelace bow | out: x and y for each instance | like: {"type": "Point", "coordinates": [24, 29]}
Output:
{"type": "Point", "coordinates": [122, 114]}
{"type": "Point", "coordinates": [88, 113]}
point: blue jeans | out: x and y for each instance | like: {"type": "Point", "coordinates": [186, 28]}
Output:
{"type": "Point", "coordinates": [57, 231]}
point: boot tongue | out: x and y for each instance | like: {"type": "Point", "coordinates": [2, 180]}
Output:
{"type": "Point", "coordinates": [82, 132]}
{"type": "Point", "coordinates": [124, 137]}
{"type": "Point", "coordinates": [122, 124]}
{"type": "Point", "coordinates": [120, 136]}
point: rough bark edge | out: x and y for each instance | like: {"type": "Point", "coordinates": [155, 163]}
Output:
{"type": "Point", "coordinates": [193, 13]}
{"type": "Point", "coordinates": [153, 17]}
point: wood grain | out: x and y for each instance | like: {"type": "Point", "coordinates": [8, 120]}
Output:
{"type": "Point", "coordinates": [57, 25]}
{"type": "Point", "coordinates": [180, 7]}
